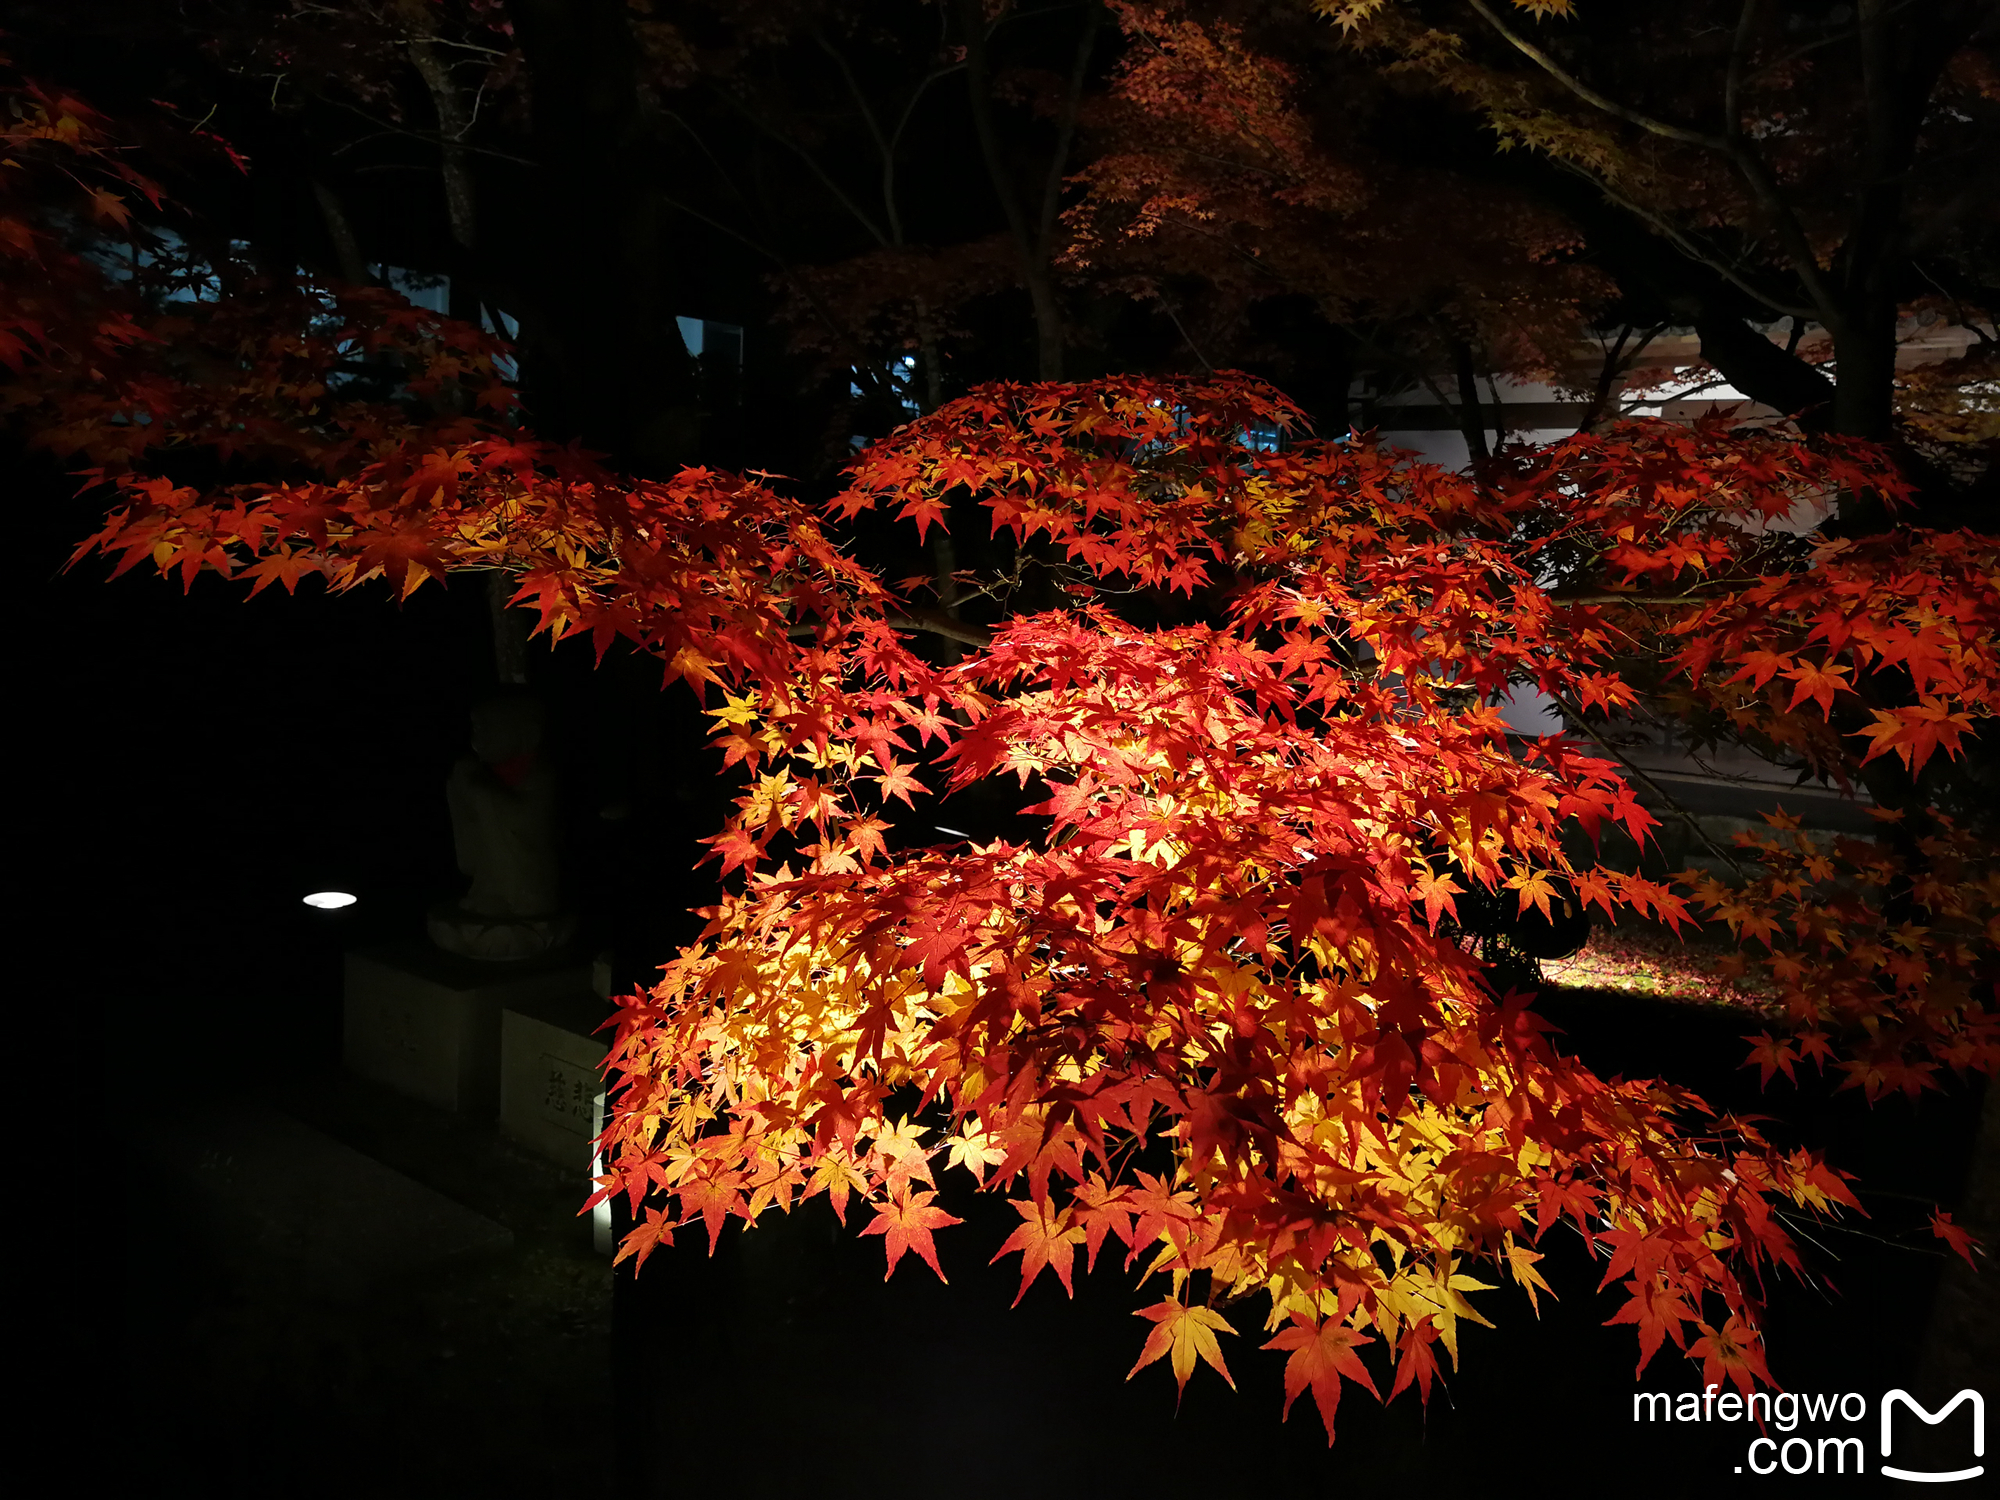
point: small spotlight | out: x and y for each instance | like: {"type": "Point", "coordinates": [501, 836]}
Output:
{"type": "Point", "coordinates": [330, 900]}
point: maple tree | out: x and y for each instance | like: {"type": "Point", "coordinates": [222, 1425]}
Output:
{"type": "Point", "coordinates": [1247, 185]}
{"type": "Point", "coordinates": [1242, 157]}
{"type": "Point", "coordinates": [1801, 164]}
{"type": "Point", "coordinates": [1220, 996]}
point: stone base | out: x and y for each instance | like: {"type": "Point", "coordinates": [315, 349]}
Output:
{"type": "Point", "coordinates": [551, 1089]}
{"type": "Point", "coordinates": [427, 1024]}
{"type": "Point", "coordinates": [501, 940]}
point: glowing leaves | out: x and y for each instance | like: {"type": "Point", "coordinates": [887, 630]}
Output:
{"type": "Point", "coordinates": [1186, 1332]}
{"type": "Point", "coordinates": [1604, 690]}
{"type": "Point", "coordinates": [896, 781]}
{"type": "Point", "coordinates": [716, 1199]}
{"type": "Point", "coordinates": [1436, 892]}
{"type": "Point", "coordinates": [1045, 1238]}
{"type": "Point", "coordinates": [1650, 898]}
{"type": "Point", "coordinates": [1312, 768]}
{"type": "Point", "coordinates": [1322, 1354]}
{"type": "Point", "coordinates": [864, 836]}
{"type": "Point", "coordinates": [1431, 1294]}
{"type": "Point", "coordinates": [975, 1151]}
{"type": "Point", "coordinates": [1817, 682]}
{"type": "Point", "coordinates": [1415, 1359]}
{"type": "Point", "coordinates": [1102, 1209]}
{"type": "Point", "coordinates": [906, 1222]}
{"type": "Point", "coordinates": [1760, 666]}
{"type": "Point", "coordinates": [836, 1175]}
{"type": "Point", "coordinates": [1593, 889]}
{"type": "Point", "coordinates": [1534, 887]}
{"type": "Point", "coordinates": [1914, 733]}
{"type": "Point", "coordinates": [1291, 775]}
{"type": "Point", "coordinates": [644, 1238]}
{"type": "Point", "coordinates": [737, 849]}
{"type": "Point", "coordinates": [1655, 1306]}
{"type": "Point", "coordinates": [926, 510]}
{"type": "Point", "coordinates": [282, 567]}
{"type": "Point", "coordinates": [1521, 1265]}
{"type": "Point", "coordinates": [926, 720]}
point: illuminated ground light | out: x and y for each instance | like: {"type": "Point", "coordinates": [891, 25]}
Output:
{"type": "Point", "coordinates": [1641, 961]}
{"type": "Point", "coordinates": [330, 900]}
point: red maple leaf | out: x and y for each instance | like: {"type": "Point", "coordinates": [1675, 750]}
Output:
{"type": "Point", "coordinates": [1046, 1238]}
{"type": "Point", "coordinates": [1322, 1354]}
{"type": "Point", "coordinates": [906, 1222]}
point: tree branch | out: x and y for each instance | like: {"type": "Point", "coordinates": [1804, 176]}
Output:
{"type": "Point", "coordinates": [883, 150]}
{"type": "Point", "coordinates": [1590, 95]}
{"type": "Point", "coordinates": [931, 621]}
{"type": "Point", "coordinates": [812, 165]}
{"type": "Point", "coordinates": [1679, 239]}
{"type": "Point", "coordinates": [1798, 246]}
{"type": "Point", "coordinates": [1066, 130]}
{"type": "Point", "coordinates": [1672, 808]}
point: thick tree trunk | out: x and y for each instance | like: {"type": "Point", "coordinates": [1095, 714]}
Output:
{"type": "Point", "coordinates": [1033, 240]}
{"type": "Point", "coordinates": [1964, 1326]}
{"type": "Point", "coordinates": [1864, 403]}
{"type": "Point", "coordinates": [1765, 373]}
{"type": "Point", "coordinates": [1471, 419]}
{"type": "Point", "coordinates": [454, 124]}
{"type": "Point", "coordinates": [603, 359]}
{"type": "Point", "coordinates": [340, 230]}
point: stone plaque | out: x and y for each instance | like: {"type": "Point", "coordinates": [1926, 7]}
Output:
{"type": "Point", "coordinates": [427, 1024]}
{"type": "Point", "coordinates": [550, 1057]}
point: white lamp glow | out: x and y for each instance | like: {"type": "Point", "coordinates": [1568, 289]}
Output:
{"type": "Point", "coordinates": [330, 900]}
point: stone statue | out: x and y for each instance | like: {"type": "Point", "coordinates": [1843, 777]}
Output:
{"type": "Point", "coordinates": [503, 821]}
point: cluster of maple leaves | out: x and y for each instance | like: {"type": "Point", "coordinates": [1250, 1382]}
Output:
{"type": "Point", "coordinates": [1215, 157]}
{"type": "Point", "coordinates": [1209, 998]}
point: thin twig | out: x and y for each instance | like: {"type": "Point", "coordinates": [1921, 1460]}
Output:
{"type": "Point", "coordinates": [1672, 808]}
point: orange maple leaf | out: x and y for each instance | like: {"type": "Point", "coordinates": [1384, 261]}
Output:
{"type": "Point", "coordinates": [1816, 682]}
{"type": "Point", "coordinates": [644, 1239]}
{"type": "Point", "coordinates": [1045, 1238]}
{"type": "Point", "coordinates": [1187, 1332]}
{"type": "Point", "coordinates": [906, 1222]}
{"type": "Point", "coordinates": [1321, 1355]}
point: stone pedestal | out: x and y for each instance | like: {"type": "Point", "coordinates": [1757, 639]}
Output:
{"type": "Point", "coordinates": [427, 1024]}
{"type": "Point", "coordinates": [551, 1090]}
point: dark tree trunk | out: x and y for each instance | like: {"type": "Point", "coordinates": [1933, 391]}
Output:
{"type": "Point", "coordinates": [340, 231]}
{"type": "Point", "coordinates": [1864, 401]}
{"type": "Point", "coordinates": [1764, 372]}
{"type": "Point", "coordinates": [1337, 383]}
{"type": "Point", "coordinates": [603, 360]}
{"type": "Point", "coordinates": [1471, 418]}
{"type": "Point", "coordinates": [1034, 236]}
